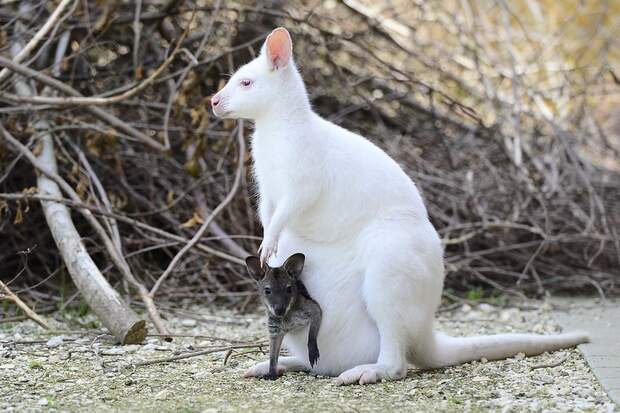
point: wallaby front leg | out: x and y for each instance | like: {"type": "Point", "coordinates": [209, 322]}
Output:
{"type": "Point", "coordinates": [274, 352]}
{"type": "Point", "coordinates": [265, 210]}
{"type": "Point", "coordinates": [281, 216]}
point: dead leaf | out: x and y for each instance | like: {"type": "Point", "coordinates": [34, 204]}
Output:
{"type": "Point", "coordinates": [19, 217]}
{"type": "Point", "coordinates": [170, 197]}
{"type": "Point", "coordinates": [193, 221]}
{"type": "Point", "coordinates": [192, 167]}
{"type": "Point", "coordinates": [38, 148]}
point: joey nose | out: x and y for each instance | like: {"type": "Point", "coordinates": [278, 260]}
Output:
{"type": "Point", "coordinates": [215, 100]}
{"type": "Point", "coordinates": [279, 311]}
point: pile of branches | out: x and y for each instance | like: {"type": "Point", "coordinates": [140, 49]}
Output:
{"type": "Point", "coordinates": [105, 111]}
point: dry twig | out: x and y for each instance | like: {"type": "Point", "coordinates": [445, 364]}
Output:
{"type": "Point", "coordinates": [8, 294]}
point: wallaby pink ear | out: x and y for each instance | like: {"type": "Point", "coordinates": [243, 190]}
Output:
{"type": "Point", "coordinates": [278, 48]}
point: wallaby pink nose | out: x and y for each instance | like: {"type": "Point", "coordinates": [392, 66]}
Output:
{"type": "Point", "coordinates": [215, 100]}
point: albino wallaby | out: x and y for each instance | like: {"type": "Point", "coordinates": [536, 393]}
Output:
{"type": "Point", "coordinates": [374, 261]}
{"type": "Point", "coordinates": [289, 307]}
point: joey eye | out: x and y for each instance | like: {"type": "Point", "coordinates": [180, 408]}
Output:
{"type": "Point", "coordinates": [289, 289]}
{"type": "Point", "coordinates": [267, 290]}
{"type": "Point", "coordinates": [245, 82]}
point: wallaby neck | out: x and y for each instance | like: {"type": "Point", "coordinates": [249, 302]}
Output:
{"type": "Point", "coordinates": [285, 119]}
{"type": "Point", "coordinates": [292, 108]}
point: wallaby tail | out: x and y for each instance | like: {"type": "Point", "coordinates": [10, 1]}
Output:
{"type": "Point", "coordinates": [444, 350]}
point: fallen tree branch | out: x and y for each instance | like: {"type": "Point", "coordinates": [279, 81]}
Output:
{"type": "Point", "coordinates": [18, 302]}
{"type": "Point", "coordinates": [74, 254]}
{"type": "Point", "coordinates": [122, 322]}
{"type": "Point", "coordinates": [194, 354]}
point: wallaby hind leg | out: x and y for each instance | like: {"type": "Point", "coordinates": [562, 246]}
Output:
{"type": "Point", "coordinates": [398, 289]}
{"type": "Point", "coordinates": [313, 332]}
{"type": "Point", "coordinates": [392, 362]}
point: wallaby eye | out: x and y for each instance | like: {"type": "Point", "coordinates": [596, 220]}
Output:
{"type": "Point", "coordinates": [245, 82]}
{"type": "Point", "coordinates": [289, 289]}
{"type": "Point", "coordinates": [267, 290]}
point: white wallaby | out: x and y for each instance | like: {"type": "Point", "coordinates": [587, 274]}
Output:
{"type": "Point", "coordinates": [374, 261]}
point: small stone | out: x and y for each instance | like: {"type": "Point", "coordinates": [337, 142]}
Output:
{"type": "Point", "coordinates": [54, 342]}
{"type": "Point", "coordinates": [114, 351]}
{"type": "Point", "coordinates": [188, 322]}
{"type": "Point", "coordinates": [520, 356]}
{"type": "Point", "coordinates": [486, 308]}
{"type": "Point", "coordinates": [43, 402]}
{"type": "Point", "coordinates": [131, 348]}
{"type": "Point", "coordinates": [483, 360]}
{"type": "Point", "coordinates": [508, 315]}
{"type": "Point", "coordinates": [546, 379]}
{"type": "Point", "coordinates": [149, 347]}
{"type": "Point", "coordinates": [162, 395]}
{"type": "Point", "coordinates": [466, 308]}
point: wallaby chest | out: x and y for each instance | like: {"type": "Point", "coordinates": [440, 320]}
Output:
{"type": "Point", "coordinates": [282, 163]}
{"type": "Point", "coordinates": [298, 317]}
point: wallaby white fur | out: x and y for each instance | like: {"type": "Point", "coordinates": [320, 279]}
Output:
{"type": "Point", "coordinates": [374, 261]}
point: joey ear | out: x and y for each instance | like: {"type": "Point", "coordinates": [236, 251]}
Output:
{"type": "Point", "coordinates": [295, 264]}
{"type": "Point", "coordinates": [254, 268]}
{"type": "Point", "coordinates": [278, 48]}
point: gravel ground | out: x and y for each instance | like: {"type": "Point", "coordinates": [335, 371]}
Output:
{"type": "Point", "coordinates": [84, 371]}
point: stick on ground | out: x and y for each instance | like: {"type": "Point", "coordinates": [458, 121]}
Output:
{"type": "Point", "coordinates": [18, 302]}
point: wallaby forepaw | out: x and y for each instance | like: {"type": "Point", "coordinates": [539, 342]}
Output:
{"type": "Point", "coordinates": [267, 249]}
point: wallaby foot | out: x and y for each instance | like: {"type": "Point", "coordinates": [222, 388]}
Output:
{"type": "Point", "coordinates": [371, 373]}
{"type": "Point", "coordinates": [261, 370]}
{"type": "Point", "coordinates": [273, 376]}
{"type": "Point", "coordinates": [287, 363]}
